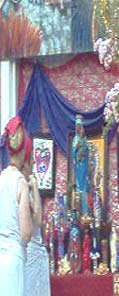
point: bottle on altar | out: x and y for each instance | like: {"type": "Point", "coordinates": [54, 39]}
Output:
{"type": "Point", "coordinates": [74, 249]}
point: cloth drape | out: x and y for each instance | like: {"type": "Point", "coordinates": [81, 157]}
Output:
{"type": "Point", "coordinates": [58, 112]}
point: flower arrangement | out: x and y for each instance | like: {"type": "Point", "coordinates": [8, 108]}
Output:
{"type": "Point", "coordinates": [111, 110]}
{"type": "Point", "coordinates": [107, 50]}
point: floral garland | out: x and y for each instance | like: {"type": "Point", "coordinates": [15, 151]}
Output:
{"type": "Point", "coordinates": [111, 110]}
{"type": "Point", "coordinates": [107, 50]}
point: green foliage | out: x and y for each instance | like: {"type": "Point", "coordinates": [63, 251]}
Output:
{"type": "Point", "coordinates": [117, 108]}
{"type": "Point", "coordinates": [107, 17]}
{"type": "Point", "coordinates": [108, 125]}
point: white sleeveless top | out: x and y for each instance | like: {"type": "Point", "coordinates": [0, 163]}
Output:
{"type": "Point", "coordinates": [10, 238]}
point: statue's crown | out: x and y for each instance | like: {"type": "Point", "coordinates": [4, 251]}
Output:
{"type": "Point", "coordinates": [79, 119]}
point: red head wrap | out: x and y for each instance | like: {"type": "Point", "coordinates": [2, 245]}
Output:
{"type": "Point", "coordinates": [11, 129]}
{"type": "Point", "coordinates": [28, 148]}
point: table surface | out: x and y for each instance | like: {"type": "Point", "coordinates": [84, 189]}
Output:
{"type": "Point", "coordinates": [82, 285]}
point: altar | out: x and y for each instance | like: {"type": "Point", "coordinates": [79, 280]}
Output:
{"type": "Point", "coordinates": [82, 285]}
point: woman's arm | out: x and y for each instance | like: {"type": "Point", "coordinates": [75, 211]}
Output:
{"type": "Point", "coordinates": [36, 203]}
{"type": "Point", "coordinates": [25, 219]}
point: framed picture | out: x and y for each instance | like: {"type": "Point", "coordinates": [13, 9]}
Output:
{"type": "Point", "coordinates": [97, 167]}
{"type": "Point", "coordinates": [43, 163]}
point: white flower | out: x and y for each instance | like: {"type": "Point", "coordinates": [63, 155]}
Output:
{"type": "Point", "coordinates": [107, 98]}
{"type": "Point", "coordinates": [107, 50]}
{"type": "Point", "coordinates": [107, 42]}
{"type": "Point", "coordinates": [97, 44]}
{"type": "Point", "coordinates": [116, 86]}
{"type": "Point", "coordinates": [112, 102]}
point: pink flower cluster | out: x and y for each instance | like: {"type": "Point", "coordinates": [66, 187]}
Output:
{"type": "Point", "coordinates": [107, 50]}
{"type": "Point", "coordinates": [111, 110]}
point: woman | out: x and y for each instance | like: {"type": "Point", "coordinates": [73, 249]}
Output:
{"type": "Point", "coordinates": [37, 266]}
{"type": "Point", "coordinates": [15, 214]}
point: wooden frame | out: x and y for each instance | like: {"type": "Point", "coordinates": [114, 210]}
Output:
{"type": "Point", "coordinates": [43, 163]}
{"type": "Point", "coordinates": [97, 149]}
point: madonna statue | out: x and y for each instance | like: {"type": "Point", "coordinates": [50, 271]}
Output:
{"type": "Point", "coordinates": [80, 155]}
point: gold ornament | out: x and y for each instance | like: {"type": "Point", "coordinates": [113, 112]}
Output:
{"type": "Point", "coordinates": [102, 269]}
{"type": "Point", "coordinates": [86, 219]}
{"type": "Point", "coordinates": [64, 266]}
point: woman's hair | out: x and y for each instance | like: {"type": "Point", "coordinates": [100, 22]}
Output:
{"type": "Point", "coordinates": [28, 148]}
{"type": "Point", "coordinates": [15, 135]}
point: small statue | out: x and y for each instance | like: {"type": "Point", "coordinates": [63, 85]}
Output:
{"type": "Point", "coordinates": [94, 255]}
{"type": "Point", "coordinates": [86, 260]}
{"type": "Point", "coordinates": [113, 250]}
{"type": "Point", "coordinates": [116, 284]}
{"type": "Point", "coordinates": [74, 250]}
{"type": "Point", "coordinates": [80, 156]}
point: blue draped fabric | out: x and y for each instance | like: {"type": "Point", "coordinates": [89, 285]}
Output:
{"type": "Point", "coordinates": [58, 112]}
{"type": "Point", "coordinates": [30, 108]}
{"type": "Point", "coordinates": [112, 132]}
